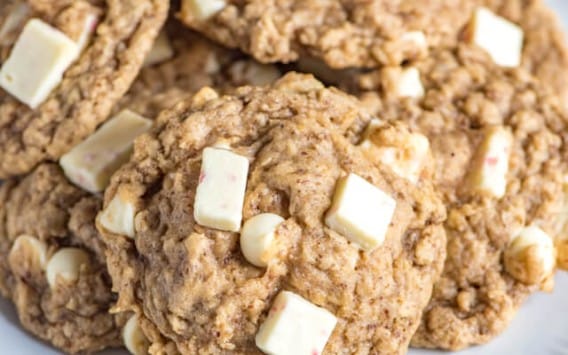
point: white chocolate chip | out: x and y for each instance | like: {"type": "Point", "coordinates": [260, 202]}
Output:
{"type": "Point", "coordinates": [221, 190]}
{"type": "Point", "coordinates": [409, 84]}
{"type": "Point", "coordinates": [66, 264]}
{"type": "Point", "coordinates": [405, 154]}
{"type": "Point", "coordinates": [257, 237]}
{"type": "Point", "coordinates": [161, 51]}
{"type": "Point", "coordinates": [118, 216]}
{"type": "Point", "coordinates": [490, 167]}
{"type": "Point", "coordinates": [37, 62]}
{"type": "Point", "coordinates": [15, 19]}
{"type": "Point", "coordinates": [204, 9]}
{"type": "Point", "coordinates": [133, 337]}
{"type": "Point", "coordinates": [295, 326]}
{"type": "Point", "coordinates": [417, 38]}
{"type": "Point", "coordinates": [91, 163]}
{"type": "Point", "coordinates": [361, 212]}
{"type": "Point", "coordinates": [27, 246]}
{"type": "Point", "coordinates": [531, 256]}
{"type": "Point", "coordinates": [502, 39]}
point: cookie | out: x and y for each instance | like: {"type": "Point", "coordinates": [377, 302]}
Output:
{"type": "Point", "coordinates": [52, 263]}
{"type": "Point", "coordinates": [103, 45]}
{"type": "Point", "coordinates": [186, 63]}
{"type": "Point", "coordinates": [207, 288]}
{"type": "Point", "coordinates": [499, 143]}
{"type": "Point", "coordinates": [341, 33]}
{"type": "Point", "coordinates": [545, 53]}
{"type": "Point", "coordinates": [344, 34]}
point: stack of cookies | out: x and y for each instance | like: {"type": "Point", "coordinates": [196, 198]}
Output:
{"type": "Point", "coordinates": [291, 177]}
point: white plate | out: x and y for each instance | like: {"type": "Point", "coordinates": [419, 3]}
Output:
{"type": "Point", "coordinates": [541, 327]}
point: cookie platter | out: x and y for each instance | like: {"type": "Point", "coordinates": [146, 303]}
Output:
{"type": "Point", "coordinates": [274, 175]}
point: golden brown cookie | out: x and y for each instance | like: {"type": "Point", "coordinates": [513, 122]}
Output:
{"type": "Point", "coordinates": [122, 36]}
{"type": "Point", "coordinates": [193, 284]}
{"type": "Point", "coordinates": [500, 146]}
{"type": "Point", "coordinates": [52, 263]}
{"type": "Point", "coordinates": [191, 63]}
{"type": "Point", "coordinates": [368, 34]}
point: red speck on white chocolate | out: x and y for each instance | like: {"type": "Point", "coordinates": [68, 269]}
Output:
{"type": "Point", "coordinates": [492, 161]}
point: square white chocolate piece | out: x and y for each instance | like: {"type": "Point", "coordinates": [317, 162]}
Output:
{"type": "Point", "coordinates": [295, 326]}
{"type": "Point", "coordinates": [204, 9]}
{"type": "Point", "coordinates": [221, 190]}
{"type": "Point", "coordinates": [502, 39]}
{"type": "Point", "coordinates": [37, 63]}
{"type": "Point", "coordinates": [405, 155]}
{"type": "Point", "coordinates": [409, 84]}
{"type": "Point", "coordinates": [118, 216]}
{"type": "Point", "coordinates": [91, 163]}
{"type": "Point", "coordinates": [491, 165]}
{"type": "Point", "coordinates": [160, 52]}
{"type": "Point", "coordinates": [361, 212]}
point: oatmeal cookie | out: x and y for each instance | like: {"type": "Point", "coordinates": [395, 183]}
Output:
{"type": "Point", "coordinates": [194, 284]}
{"type": "Point", "coordinates": [46, 227]}
{"type": "Point", "coordinates": [192, 63]}
{"type": "Point", "coordinates": [122, 35]}
{"type": "Point", "coordinates": [499, 141]}
{"type": "Point", "coordinates": [370, 34]}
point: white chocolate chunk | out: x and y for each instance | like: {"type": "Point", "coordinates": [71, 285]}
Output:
{"type": "Point", "coordinates": [502, 39]}
{"type": "Point", "coordinates": [28, 246]}
{"type": "Point", "coordinates": [405, 154]}
{"type": "Point", "coordinates": [118, 216]}
{"type": "Point", "coordinates": [91, 163]}
{"type": "Point", "coordinates": [66, 264]}
{"type": "Point", "coordinates": [257, 237]}
{"type": "Point", "coordinates": [531, 256]}
{"type": "Point", "coordinates": [221, 191]}
{"type": "Point", "coordinates": [15, 19]}
{"type": "Point", "coordinates": [417, 38]}
{"type": "Point", "coordinates": [89, 27]}
{"type": "Point", "coordinates": [133, 337]}
{"type": "Point", "coordinates": [409, 84]}
{"type": "Point", "coordinates": [295, 326]}
{"type": "Point", "coordinates": [491, 164]}
{"type": "Point", "coordinates": [361, 212]}
{"type": "Point", "coordinates": [203, 9]}
{"type": "Point", "coordinates": [161, 51]}
{"type": "Point", "coordinates": [37, 62]}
